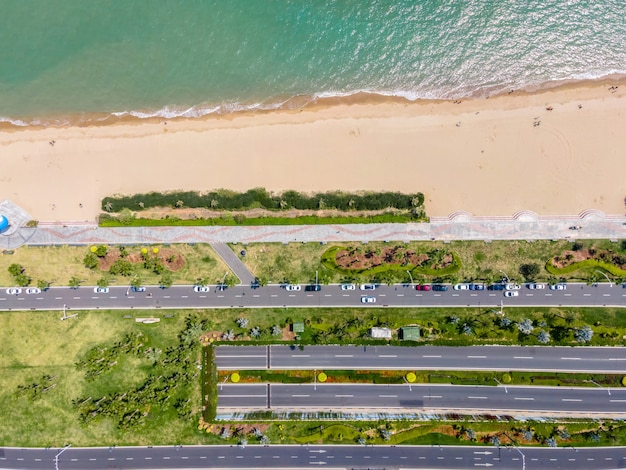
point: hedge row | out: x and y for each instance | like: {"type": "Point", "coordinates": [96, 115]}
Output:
{"type": "Point", "coordinates": [329, 260]}
{"type": "Point", "coordinates": [260, 198]}
{"type": "Point", "coordinates": [107, 220]}
{"type": "Point", "coordinates": [588, 263]}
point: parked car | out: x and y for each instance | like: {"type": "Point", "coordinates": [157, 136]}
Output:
{"type": "Point", "coordinates": [292, 287]}
{"type": "Point", "coordinates": [201, 288]}
{"type": "Point", "coordinates": [477, 287]}
{"type": "Point", "coordinates": [496, 287]}
{"type": "Point", "coordinates": [511, 293]}
{"type": "Point", "coordinates": [440, 287]}
{"type": "Point", "coordinates": [461, 287]}
{"type": "Point", "coordinates": [512, 286]}
{"type": "Point", "coordinates": [422, 287]}
{"type": "Point", "coordinates": [14, 291]}
{"type": "Point", "coordinates": [559, 286]}
{"type": "Point", "coordinates": [348, 287]}
{"type": "Point", "coordinates": [100, 290]}
{"type": "Point", "coordinates": [368, 300]}
{"type": "Point", "coordinates": [138, 289]}
{"type": "Point", "coordinates": [313, 288]}
{"type": "Point", "coordinates": [367, 287]}
{"type": "Point", "coordinates": [534, 285]}
{"type": "Point", "coordinates": [33, 290]}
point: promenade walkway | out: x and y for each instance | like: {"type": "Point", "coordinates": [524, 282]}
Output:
{"type": "Point", "coordinates": [524, 225]}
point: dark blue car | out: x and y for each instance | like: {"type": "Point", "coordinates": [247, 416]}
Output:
{"type": "Point", "coordinates": [439, 287]}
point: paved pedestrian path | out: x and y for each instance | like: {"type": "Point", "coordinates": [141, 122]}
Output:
{"type": "Point", "coordinates": [524, 225]}
{"type": "Point", "coordinates": [233, 262]}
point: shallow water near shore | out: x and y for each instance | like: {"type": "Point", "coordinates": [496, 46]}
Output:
{"type": "Point", "coordinates": [69, 61]}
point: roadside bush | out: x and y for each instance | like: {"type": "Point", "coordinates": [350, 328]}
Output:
{"type": "Point", "coordinates": [90, 261]}
{"type": "Point", "coordinates": [529, 270]}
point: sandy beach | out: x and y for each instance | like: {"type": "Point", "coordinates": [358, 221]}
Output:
{"type": "Point", "coordinates": [556, 152]}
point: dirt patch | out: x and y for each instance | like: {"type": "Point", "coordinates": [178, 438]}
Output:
{"type": "Point", "coordinates": [569, 257]}
{"type": "Point", "coordinates": [367, 257]}
{"type": "Point", "coordinates": [170, 258]}
{"type": "Point", "coordinates": [288, 335]}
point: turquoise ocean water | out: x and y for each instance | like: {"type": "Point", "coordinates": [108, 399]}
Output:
{"type": "Point", "coordinates": [64, 60]}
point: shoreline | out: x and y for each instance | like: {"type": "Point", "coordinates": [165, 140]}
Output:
{"type": "Point", "coordinates": [288, 104]}
{"type": "Point", "coordinates": [488, 156]}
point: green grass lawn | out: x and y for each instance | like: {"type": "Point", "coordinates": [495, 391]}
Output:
{"type": "Point", "coordinates": [481, 261]}
{"type": "Point", "coordinates": [58, 264]}
{"type": "Point", "coordinates": [35, 344]}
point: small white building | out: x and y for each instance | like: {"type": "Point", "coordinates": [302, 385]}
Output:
{"type": "Point", "coordinates": [380, 333]}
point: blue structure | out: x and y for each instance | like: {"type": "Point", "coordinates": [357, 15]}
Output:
{"type": "Point", "coordinates": [4, 223]}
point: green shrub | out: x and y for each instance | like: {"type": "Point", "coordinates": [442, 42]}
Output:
{"type": "Point", "coordinates": [90, 261]}
{"type": "Point", "coordinates": [223, 199]}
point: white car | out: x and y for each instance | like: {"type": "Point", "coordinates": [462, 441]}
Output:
{"type": "Point", "coordinates": [293, 287]}
{"type": "Point", "coordinates": [536, 286]}
{"type": "Point", "coordinates": [101, 290]}
{"type": "Point", "coordinates": [348, 287]}
{"type": "Point", "coordinates": [558, 287]}
{"type": "Point", "coordinates": [368, 300]}
{"type": "Point", "coordinates": [201, 288]}
{"type": "Point", "coordinates": [461, 287]}
{"type": "Point", "coordinates": [14, 291]}
{"type": "Point", "coordinates": [512, 287]}
{"type": "Point", "coordinates": [511, 293]}
{"type": "Point", "coordinates": [367, 287]}
{"type": "Point", "coordinates": [33, 290]}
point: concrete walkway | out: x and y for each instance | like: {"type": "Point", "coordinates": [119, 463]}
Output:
{"type": "Point", "coordinates": [524, 225]}
{"type": "Point", "coordinates": [234, 263]}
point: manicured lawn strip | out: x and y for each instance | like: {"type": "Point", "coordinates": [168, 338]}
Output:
{"type": "Point", "coordinates": [241, 220]}
{"type": "Point", "coordinates": [587, 264]}
{"type": "Point", "coordinates": [556, 379]}
{"type": "Point", "coordinates": [57, 264]}
{"type": "Point", "coordinates": [209, 383]}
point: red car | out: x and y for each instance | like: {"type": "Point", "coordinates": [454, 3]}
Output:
{"type": "Point", "coordinates": [422, 287]}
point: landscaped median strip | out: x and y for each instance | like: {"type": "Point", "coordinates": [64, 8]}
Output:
{"type": "Point", "coordinates": [394, 377]}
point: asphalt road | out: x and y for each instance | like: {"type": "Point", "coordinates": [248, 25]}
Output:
{"type": "Point", "coordinates": [345, 457]}
{"type": "Point", "coordinates": [335, 397]}
{"type": "Point", "coordinates": [565, 359]}
{"type": "Point", "coordinates": [121, 297]}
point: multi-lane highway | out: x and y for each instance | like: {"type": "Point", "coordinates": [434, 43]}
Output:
{"type": "Point", "coordinates": [534, 358]}
{"type": "Point", "coordinates": [121, 297]}
{"type": "Point", "coordinates": [344, 457]}
{"type": "Point", "coordinates": [422, 398]}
